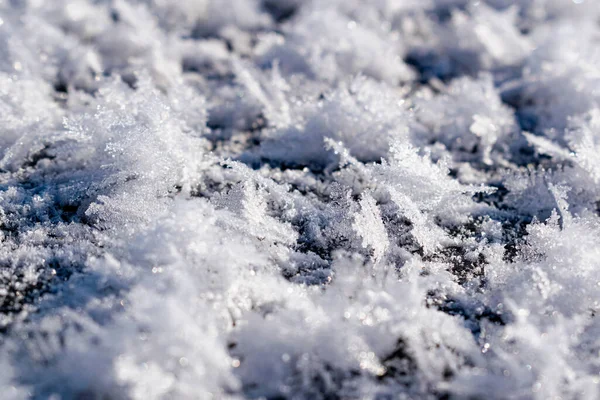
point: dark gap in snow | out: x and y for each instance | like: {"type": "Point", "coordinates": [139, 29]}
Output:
{"type": "Point", "coordinates": [400, 365]}
{"type": "Point", "coordinates": [115, 16]}
{"type": "Point", "coordinates": [515, 235]}
{"type": "Point", "coordinates": [130, 79]}
{"type": "Point", "coordinates": [464, 267]}
{"type": "Point", "coordinates": [430, 65]}
{"type": "Point", "coordinates": [512, 94]}
{"type": "Point", "coordinates": [24, 295]}
{"type": "Point", "coordinates": [61, 86]}
{"type": "Point", "coordinates": [210, 70]}
{"type": "Point", "coordinates": [43, 154]}
{"type": "Point", "coordinates": [473, 314]}
{"type": "Point", "coordinates": [280, 11]}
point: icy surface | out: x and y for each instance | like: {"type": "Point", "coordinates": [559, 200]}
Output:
{"type": "Point", "coordinates": [299, 199]}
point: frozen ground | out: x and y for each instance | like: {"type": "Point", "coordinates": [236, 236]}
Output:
{"type": "Point", "coordinates": [294, 199]}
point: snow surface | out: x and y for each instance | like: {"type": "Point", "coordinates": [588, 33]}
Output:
{"type": "Point", "coordinates": [296, 199]}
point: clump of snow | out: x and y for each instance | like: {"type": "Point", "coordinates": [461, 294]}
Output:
{"type": "Point", "coordinates": [328, 45]}
{"type": "Point", "coordinates": [364, 115]}
{"type": "Point", "coordinates": [299, 199]}
{"type": "Point", "coordinates": [469, 119]}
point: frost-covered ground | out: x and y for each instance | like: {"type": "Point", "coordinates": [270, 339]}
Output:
{"type": "Point", "coordinates": [295, 199]}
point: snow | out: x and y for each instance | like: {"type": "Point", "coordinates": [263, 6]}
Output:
{"type": "Point", "coordinates": [317, 199]}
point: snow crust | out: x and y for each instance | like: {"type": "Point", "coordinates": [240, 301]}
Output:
{"type": "Point", "coordinates": [299, 199]}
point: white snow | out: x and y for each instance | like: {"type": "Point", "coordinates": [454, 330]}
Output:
{"type": "Point", "coordinates": [286, 199]}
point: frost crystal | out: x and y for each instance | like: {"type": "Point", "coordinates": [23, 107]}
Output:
{"type": "Point", "coordinates": [288, 199]}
